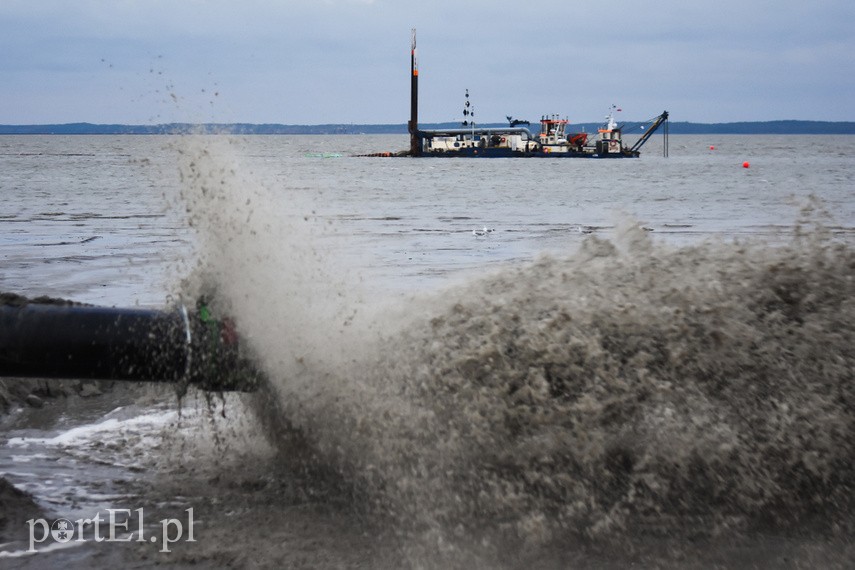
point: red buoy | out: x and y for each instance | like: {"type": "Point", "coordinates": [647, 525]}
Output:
{"type": "Point", "coordinates": [712, 147]}
{"type": "Point", "coordinates": [746, 164]}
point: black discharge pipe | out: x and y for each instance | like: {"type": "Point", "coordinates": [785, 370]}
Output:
{"type": "Point", "coordinates": [64, 340]}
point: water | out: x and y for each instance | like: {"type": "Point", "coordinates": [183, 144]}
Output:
{"type": "Point", "coordinates": [89, 218]}
{"type": "Point", "coordinates": [677, 359]}
{"type": "Point", "coordinates": [407, 219]}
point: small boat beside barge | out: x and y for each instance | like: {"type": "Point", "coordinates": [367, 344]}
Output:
{"type": "Point", "coordinates": [553, 141]}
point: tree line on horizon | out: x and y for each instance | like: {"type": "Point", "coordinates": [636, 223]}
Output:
{"type": "Point", "coordinates": [784, 127]}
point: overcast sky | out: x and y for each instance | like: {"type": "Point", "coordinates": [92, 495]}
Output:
{"type": "Point", "coordinates": [347, 61]}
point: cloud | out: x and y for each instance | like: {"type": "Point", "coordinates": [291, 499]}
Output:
{"type": "Point", "coordinates": [347, 60]}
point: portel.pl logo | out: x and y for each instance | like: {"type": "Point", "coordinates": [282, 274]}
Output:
{"type": "Point", "coordinates": [117, 523]}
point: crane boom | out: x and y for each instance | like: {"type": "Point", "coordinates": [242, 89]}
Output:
{"type": "Point", "coordinates": [653, 127]}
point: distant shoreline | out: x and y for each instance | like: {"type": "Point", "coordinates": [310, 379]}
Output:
{"type": "Point", "coordinates": [676, 128]}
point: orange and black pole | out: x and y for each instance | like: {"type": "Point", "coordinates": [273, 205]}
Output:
{"type": "Point", "coordinates": [415, 143]}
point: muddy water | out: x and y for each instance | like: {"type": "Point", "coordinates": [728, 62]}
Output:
{"type": "Point", "coordinates": [645, 360]}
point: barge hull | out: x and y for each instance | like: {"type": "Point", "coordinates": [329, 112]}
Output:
{"type": "Point", "coordinates": [510, 153]}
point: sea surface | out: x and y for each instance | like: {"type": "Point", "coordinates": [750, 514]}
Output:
{"type": "Point", "coordinates": [464, 355]}
{"type": "Point", "coordinates": [99, 218]}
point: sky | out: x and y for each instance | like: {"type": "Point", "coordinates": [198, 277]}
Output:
{"type": "Point", "coordinates": [347, 61]}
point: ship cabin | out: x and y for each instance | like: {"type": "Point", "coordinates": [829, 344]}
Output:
{"type": "Point", "coordinates": [554, 137]}
{"type": "Point", "coordinates": [553, 130]}
{"type": "Point", "coordinates": [610, 137]}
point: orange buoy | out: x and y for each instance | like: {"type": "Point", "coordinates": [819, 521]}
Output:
{"type": "Point", "coordinates": [746, 164]}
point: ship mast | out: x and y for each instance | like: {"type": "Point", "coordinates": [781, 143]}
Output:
{"type": "Point", "coordinates": [469, 111]}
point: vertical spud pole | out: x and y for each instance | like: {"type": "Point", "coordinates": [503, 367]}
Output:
{"type": "Point", "coordinates": [415, 146]}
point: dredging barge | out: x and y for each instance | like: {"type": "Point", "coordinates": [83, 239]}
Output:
{"type": "Point", "coordinates": [553, 141]}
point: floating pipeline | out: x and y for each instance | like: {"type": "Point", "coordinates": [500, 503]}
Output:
{"type": "Point", "coordinates": [384, 154]}
{"type": "Point", "coordinates": [323, 155]}
{"type": "Point", "coordinates": [387, 154]}
{"type": "Point", "coordinates": [55, 338]}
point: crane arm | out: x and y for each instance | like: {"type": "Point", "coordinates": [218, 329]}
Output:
{"type": "Point", "coordinates": [657, 122]}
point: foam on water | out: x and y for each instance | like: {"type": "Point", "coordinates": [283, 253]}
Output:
{"type": "Point", "coordinates": [629, 387]}
{"type": "Point", "coordinates": [93, 431]}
